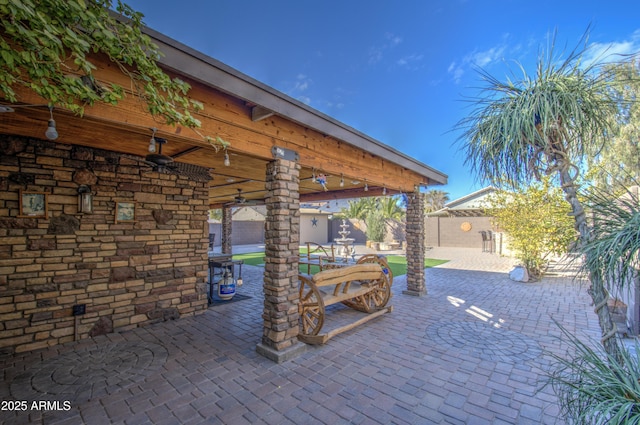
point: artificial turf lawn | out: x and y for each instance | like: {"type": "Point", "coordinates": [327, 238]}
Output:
{"type": "Point", "coordinates": [397, 263]}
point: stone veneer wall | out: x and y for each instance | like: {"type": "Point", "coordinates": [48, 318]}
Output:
{"type": "Point", "coordinates": [415, 245]}
{"type": "Point", "coordinates": [126, 274]}
{"type": "Point", "coordinates": [282, 242]}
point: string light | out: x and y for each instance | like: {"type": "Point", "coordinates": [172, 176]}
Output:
{"type": "Point", "coordinates": [51, 133]}
{"type": "Point", "coordinates": [227, 161]}
{"type": "Point", "coordinates": [152, 141]}
{"type": "Point", "coordinates": [341, 180]}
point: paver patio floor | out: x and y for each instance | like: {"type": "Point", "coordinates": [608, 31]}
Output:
{"type": "Point", "coordinates": [472, 351]}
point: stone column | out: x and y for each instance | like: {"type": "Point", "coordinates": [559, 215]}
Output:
{"type": "Point", "coordinates": [282, 241]}
{"type": "Point", "coordinates": [415, 245]}
{"type": "Point", "coordinates": [226, 230]}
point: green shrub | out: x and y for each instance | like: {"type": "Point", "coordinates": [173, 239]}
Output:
{"type": "Point", "coordinates": [376, 226]}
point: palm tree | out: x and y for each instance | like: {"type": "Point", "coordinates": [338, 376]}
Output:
{"type": "Point", "coordinates": [435, 200]}
{"type": "Point", "coordinates": [546, 124]}
{"type": "Point", "coordinates": [358, 209]}
{"type": "Point", "coordinates": [391, 208]}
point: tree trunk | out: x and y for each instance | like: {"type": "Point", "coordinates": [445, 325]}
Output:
{"type": "Point", "coordinates": [597, 291]}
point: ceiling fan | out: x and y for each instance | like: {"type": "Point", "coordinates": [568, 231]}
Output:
{"type": "Point", "coordinates": [157, 160]}
{"type": "Point", "coordinates": [165, 164]}
{"type": "Point", "coordinates": [240, 200]}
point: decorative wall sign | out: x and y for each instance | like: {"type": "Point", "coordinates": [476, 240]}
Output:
{"type": "Point", "coordinates": [125, 211]}
{"type": "Point", "coordinates": [33, 204]}
{"type": "Point", "coordinates": [465, 227]}
{"type": "Point", "coordinates": [283, 153]}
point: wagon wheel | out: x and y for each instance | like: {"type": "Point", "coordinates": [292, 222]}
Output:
{"type": "Point", "coordinates": [372, 258]}
{"type": "Point", "coordinates": [310, 308]}
{"type": "Point", "coordinates": [380, 295]}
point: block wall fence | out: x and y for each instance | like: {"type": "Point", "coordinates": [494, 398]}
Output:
{"type": "Point", "coordinates": [450, 232]}
{"type": "Point", "coordinates": [125, 274]}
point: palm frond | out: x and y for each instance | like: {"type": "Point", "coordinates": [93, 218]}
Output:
{"type": "Point", "coordinates": [594, 387]}
{"type": "Point", "coordinates": [564, 109]}
{"type": "Point", "coordinates": [614, 248]}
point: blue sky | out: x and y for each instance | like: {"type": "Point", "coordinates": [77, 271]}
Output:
{"type": "Point", "coordinates": [398, 71]}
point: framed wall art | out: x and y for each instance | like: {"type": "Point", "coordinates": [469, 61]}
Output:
{"type": "Point", "coordinates": [125, 211]}
{"type": "Point", "coordinates": [33, 204]}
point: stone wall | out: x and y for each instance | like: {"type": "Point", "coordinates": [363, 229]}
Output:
{"type": "Point", "coordinates": [282, 241]}
{"type": "Point", "coordinates": [125, 274]}
{"type": "Point", "coordinates": [415, 245]}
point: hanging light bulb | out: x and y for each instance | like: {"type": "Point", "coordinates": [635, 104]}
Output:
{"type": "Point", "coordinates": [152, 141]}
{"type": "Point", "coordinates": [341, 180]}
{"type": "Point", "coordinates": [313, 176]}
{"type": "Point", "coordinates": [227, 162]}
{"type": "Point", "coordinates": [366, 187]}
{"type": "Point", "coordinates": [384, 191]}
{"type": "Point", "coordinates": [51, 133]}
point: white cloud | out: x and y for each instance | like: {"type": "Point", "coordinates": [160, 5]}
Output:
{"type": "Point", "coordinates": [482, 59]}
{"type": "Point", "coordinates": [613, 51]}
{"type": "Point", "coordinates": [410, 61]}
{"type": "Point", "coordinates": [302, 83]}
{"type": "Point", "coordinates": [298, 87]}
{"type": "Point", "coordinates": [336, 105]}
{"type": "Point", "coordinates": [456, 71]}
{"type": "Point", "coordinates": [376, 53]}
{"type": "Point", "coordinates": [394, 40]}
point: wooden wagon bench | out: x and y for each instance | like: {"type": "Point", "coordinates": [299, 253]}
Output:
{"type": "Point", "coordinates": [365, 287]}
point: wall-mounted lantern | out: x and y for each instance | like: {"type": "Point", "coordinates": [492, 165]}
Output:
{"type": "Point", "coordinates": [85, 199]}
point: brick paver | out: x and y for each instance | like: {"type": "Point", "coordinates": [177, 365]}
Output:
{"type": "Point", "coordinates": [471, 351]}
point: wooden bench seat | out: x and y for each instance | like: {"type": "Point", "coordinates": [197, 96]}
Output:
{"type": "Point", "coordinates": [364, 287]}
{"type": "Point", "coordinates": [355, 289]}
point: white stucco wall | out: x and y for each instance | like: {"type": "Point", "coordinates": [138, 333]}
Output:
{"type": "Point", "coordinates": [314, 227]}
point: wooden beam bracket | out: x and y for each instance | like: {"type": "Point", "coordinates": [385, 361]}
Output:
{"type": "Point", "coordinates": [259, 113]}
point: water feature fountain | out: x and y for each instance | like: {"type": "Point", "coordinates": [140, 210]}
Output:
{"type": "Point", "coordinates": [345, 244]}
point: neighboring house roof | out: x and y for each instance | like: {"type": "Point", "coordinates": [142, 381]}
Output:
{"type": "Point", "coordinates": [332, 206]}
{"type": "Point", "coordinates": [314, 211]}
{"type": "Point", "coordinates": [469, 205]}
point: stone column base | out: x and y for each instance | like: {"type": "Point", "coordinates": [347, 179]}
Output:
{"type": "Point", "coordinates": [415, 293]}
{"type": "Point", "coordinates": [281, 356]}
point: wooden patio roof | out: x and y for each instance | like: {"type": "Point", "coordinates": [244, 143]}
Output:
{"type": "Point", "coordinates": [253, 117]}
